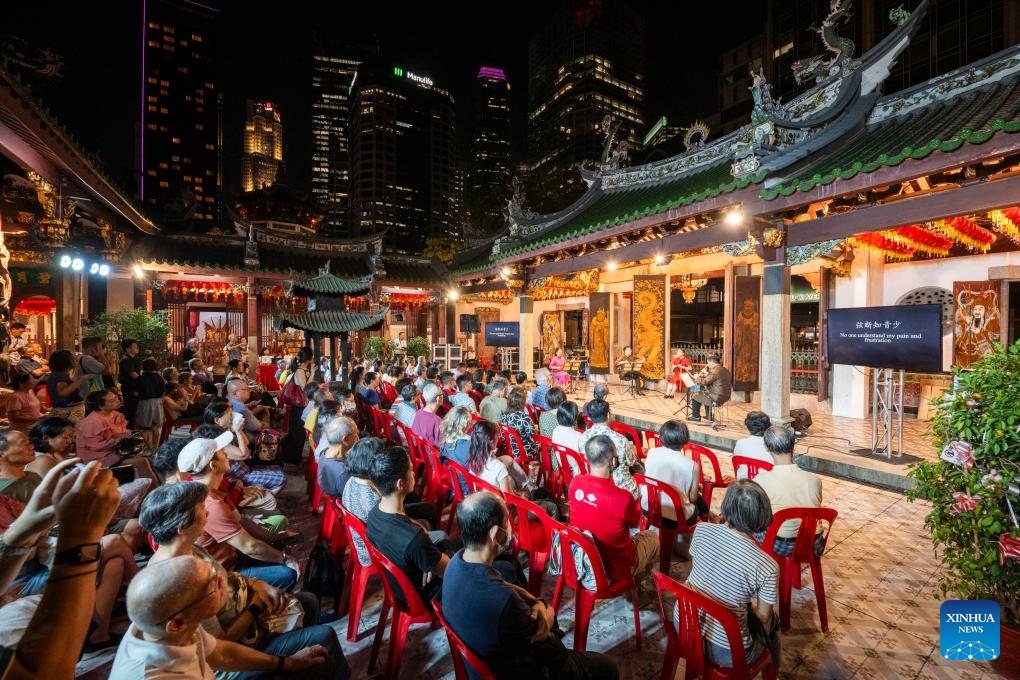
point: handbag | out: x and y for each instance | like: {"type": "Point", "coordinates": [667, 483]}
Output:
{"type": "Point", "coordinates": [291, 617]}
{"type": "Point", "coordinates": [292, 394]}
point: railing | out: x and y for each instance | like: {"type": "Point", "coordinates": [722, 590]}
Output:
{"type": "Point", "coordinates": [803, 365]}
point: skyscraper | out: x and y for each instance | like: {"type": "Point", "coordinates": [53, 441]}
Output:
{"type": "Point", "coordinates": [403, 157]}
{"type": "Point", "coordinates": [585, 62]}
{"type": "Point", "coordinates": [490, 162]}
{"type": "Point", "coordinates": [178, 150]}
{"type": "Point", "coordinates": [333, 68]}
{"type": "Point", "coordinates": [263, 145]}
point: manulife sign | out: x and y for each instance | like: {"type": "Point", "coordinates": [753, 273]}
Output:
{"type": "Point", "coordinates": [421, 80]}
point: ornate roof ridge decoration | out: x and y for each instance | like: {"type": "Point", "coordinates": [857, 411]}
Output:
{"type": "Point", "coordinates": [365, 244]}
{"type": "Point", "coordinates": [953, 84]}
{"type": "Point", "coordinates": [114, 197]}
{"type": "Point", "coordinates": [327, 283]}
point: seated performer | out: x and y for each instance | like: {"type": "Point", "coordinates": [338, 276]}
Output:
{"type": "Point", "coordinates": [629, 372]}
{"type": "Point", "coordinates": [714, 387]}
{"type": "Point", "coordinates": [681, 365]}
{"type": "Point", "coordinates": [556, 367]}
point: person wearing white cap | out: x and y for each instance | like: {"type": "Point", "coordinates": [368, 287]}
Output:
{"type": "Point", "coordinates": [225, 537]}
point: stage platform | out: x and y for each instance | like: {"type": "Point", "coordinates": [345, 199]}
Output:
{"type": "Point", "coordinates": [833, 445]}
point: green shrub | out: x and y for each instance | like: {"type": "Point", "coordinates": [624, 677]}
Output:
{"type": "Point", "coordinates": [152, 331]}
{"type": "Point", "coordinates": [984, 411]}
{"type": "Point", "coordinates": [419, 347]}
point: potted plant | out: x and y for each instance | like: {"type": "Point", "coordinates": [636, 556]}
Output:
{"type": "Point", "coordinates": [973, 487]}
{"type": "Point", "coordinates": [419, 347]}
{"type": "Point", "coordinates": [377, 347]}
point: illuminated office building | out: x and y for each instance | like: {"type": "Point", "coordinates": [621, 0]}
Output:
{"type": "Point", "coordinates": [263, 145]}
{"type": "Point", "coordinates": [587, 61]}
{"type": "Point", "coordinates": [490, 161]}
{"type": "Point", "coordinates": [178, 150]}
{"type": "Point", "coordinates": [403, 158]}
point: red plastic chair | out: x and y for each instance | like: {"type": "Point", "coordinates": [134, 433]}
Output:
{"type": "Point", "coordinates": [587, 422]}
{"type": "Point", "coordinates": [708, 486]}
{"type": "Point", "coordinates": [356, 579]}
{"type": "Point", "coordinates": [476, 484]}
{"type": "Point", "coordinates": [534, 412]}
{"type": "Point", "coordinates": [547, 477]}
{"type": "Point", "coordinates": [405, 613]}
{"type": "Point", "coordinates": [330, 528]}
{"type": "Point", "coordinates": [584, 599]}
{"type": "Point", "coordinates": [533, 530]}
{"type": "Point", "coordinates": [312, 489]}
{"type": "Point", "coordinates": [654, 490]}
{"type": "Point", "coordinates": [686, 641]}
{"type": "Point", "coordinates": [378, 424]}
{"type": "Point", "coordinates": [803, 552]}
{"type": "Point", "coordinates": [630, 433]}
{"type": "Point", "coordinates": [753, 465]}
{"type": "Point", "coordinates": [563, 457]}
{"type": "Point", "coordinates": [514, 446]}
{"type": "Point", "coordinates": [437, 486]}
{"type": "Point", "coordinates": [457, 473]}
{"type": "Point", "coordinates": [652, 439]}
{"type": "Point", "coordinates": [461, 652]}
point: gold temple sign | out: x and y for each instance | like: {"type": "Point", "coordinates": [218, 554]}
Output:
{"type": "Point", "coordinates": [569, 285]}
{"type": "Point", "coordinates": [649, 311]}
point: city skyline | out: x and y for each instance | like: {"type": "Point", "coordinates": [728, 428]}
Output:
{"type": "Point", "coordinates": [440, 42]}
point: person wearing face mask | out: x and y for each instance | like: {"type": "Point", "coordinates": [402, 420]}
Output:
{"type": "Point", "coordinates": [515, 633]}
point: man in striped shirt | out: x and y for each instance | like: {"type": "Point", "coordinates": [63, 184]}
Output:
{"type": "Point", "coordinates": [728, 566]}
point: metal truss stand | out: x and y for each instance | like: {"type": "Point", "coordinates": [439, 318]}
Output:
{"type": "Point", "coordinates": [887, 412]}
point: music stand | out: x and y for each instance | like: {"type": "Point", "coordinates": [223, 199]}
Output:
{"type": "Point", "coordinates": [632, 368]}
{"type": "Point", "coordinates": [685, 407]}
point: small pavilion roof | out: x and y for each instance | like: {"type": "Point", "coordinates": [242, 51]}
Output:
{"type": "Point", "coordinates": [327, 283]}
{"type": "Point", "coordinates": [332, 322]}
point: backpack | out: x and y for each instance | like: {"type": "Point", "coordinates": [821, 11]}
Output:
{"type": "Point", "coordinates": [324, 576]}
{"type": "Point", "coordinates": [582, 565]}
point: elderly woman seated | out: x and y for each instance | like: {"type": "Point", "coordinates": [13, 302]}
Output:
{"type": "Point", "coordinates": [175, 517]}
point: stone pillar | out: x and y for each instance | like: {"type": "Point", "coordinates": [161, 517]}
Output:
{"type": "Point", "coordinates": [69, 317]}
{"type": "Point", "coordinates": [774, 366]}
{"type": "Point", "coordinates": [526, 347]}
{"type": "Point", "coordinates": [252, 320]}
{"type": "Point", "coordinates": [851, 387]}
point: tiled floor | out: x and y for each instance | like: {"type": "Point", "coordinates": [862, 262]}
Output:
{"type": "Point", "coordinates": [827, 432]}
{"type": "Point", "coordinates": [880, 578]}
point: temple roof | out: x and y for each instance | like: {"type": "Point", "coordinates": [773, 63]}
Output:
{"type": "Point", "coordinates": [327, 283]}
{"type": "Point", "coordinates": [970, 105]}
{"type": "Point", "coordinates": [331, 322]}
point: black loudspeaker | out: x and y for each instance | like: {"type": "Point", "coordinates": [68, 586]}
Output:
{"type": "Point", "coordinates": [801, 419]}
{"type": "Point", "coordinates": [469, 323]}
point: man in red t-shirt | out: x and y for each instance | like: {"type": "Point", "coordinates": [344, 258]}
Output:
{"type": "Point", "coordinates": [609, 512]}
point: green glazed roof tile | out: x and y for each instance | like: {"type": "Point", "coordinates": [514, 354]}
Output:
{"type": "Point", "coordinates": [973, 117]}
{"type": "Point", "coordinates": [333, 321]}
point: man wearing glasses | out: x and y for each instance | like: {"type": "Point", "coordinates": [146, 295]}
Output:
{"type": "Point", "coordinates": [168, 601]}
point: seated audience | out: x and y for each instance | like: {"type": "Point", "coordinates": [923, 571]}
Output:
{"type": "Point", "coordinates": [626, 453]}
{"type": "Point", "coordinates": [599, 392]}
{"type": "Point", "coordinates": [748, 585]}
{"type": "Point", "coordinates": [394, 534]}
{"type": "Point", "coordinates": [668, 464]}
{"type": "Point", "coordinates": [52, 439]}
{"type": "Point", "coordinates": [175, 402]}
{"type": "Point", "coordinates": [368, 389]}
{"type": "Point", "coordinates": [494, 405]}
{"type": "Point", "coordinates": [543, 382]}
{"type": "Point", "coordinates": [239, 394]}
{"type": "Point", "coordinates": [359, 496]}
{"type": "Point", "coordinates": [515, 633]}
{"type": "Point", "coordinates": [788, 486]}
{"type": "Point", "coordinates": [23, 407]}
{"type": "Point", "coordinates": [547, 420]}
{"type": "Point", "coordinates": [82, 502]}
{"type": "Point", "coordinates": [164, 460]}
{"type": "Point", "coordinates": [98, 436]}
{"type": "Point", "coordinates": [753, 446]}
{"type": "Point", "coordinates": [426, 423]}
{"type": "Point", "coordinates": [175, 517]}
{"type": "Point", "coordinates": [502, 472]}
{"type": "Point", "coordinates": [463, 395]}
{"type": "Point", "coordinates": [405, 410]}
{"type": "Point", "coordinates": [64, 391]}
{"type": "Point", "coordinates": [516, 418]}
{"type": "Point", "coordinates": [221, 413]}
{"type": "Point", "coordinates": [341, 434]}
{"type": "Point", "coordinates": [201, 376]}
{"type": "Point", "coordinates": [609, 512]}
{"type": "Point", "coordinates": [566, 433]}
{"type": "Point", "coordinates": [15, 454]}
{"type": "Point", "coordinates": [167, 604]}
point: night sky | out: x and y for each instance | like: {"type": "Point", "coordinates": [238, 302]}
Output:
{"type": "Point", "coordinates": [266, 49]}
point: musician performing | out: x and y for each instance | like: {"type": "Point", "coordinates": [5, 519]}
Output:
{"type": "Point", "coordinates": [681, 365]}
{"type": "Point", "coordinates": [557, 366]}
{"type": "Point", "coordinates": [714, 387]}
{"type": "Point", "coordinates": [630, 370]}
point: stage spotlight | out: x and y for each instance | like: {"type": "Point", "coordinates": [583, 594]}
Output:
{"type": "Point", "coordinates": [65, 261]}
{"type": "Point", "coordinates": [734, 217]}
{"type": "Point", "coordinates": [104, 270]}
{"type": "Point", "coordinates": [94, 268]}
{"type": "Point", "coordinates": [77, 264]}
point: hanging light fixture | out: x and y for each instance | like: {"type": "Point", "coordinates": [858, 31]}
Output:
{"type": "Point", "coordinates": [688, 286]}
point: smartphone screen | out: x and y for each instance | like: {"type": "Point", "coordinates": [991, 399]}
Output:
{"type": "Point", "coordinates": [123, 473]}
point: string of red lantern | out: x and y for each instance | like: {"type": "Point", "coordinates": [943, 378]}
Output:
{"type": "Point", "coordinates": [921, 239]}
{"type": "Point", "coordinates": [36, 307]}
{"type": "Point", "coordinates": [883, 245]}
{"type": "Point", "coordinates": [966, 231]}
